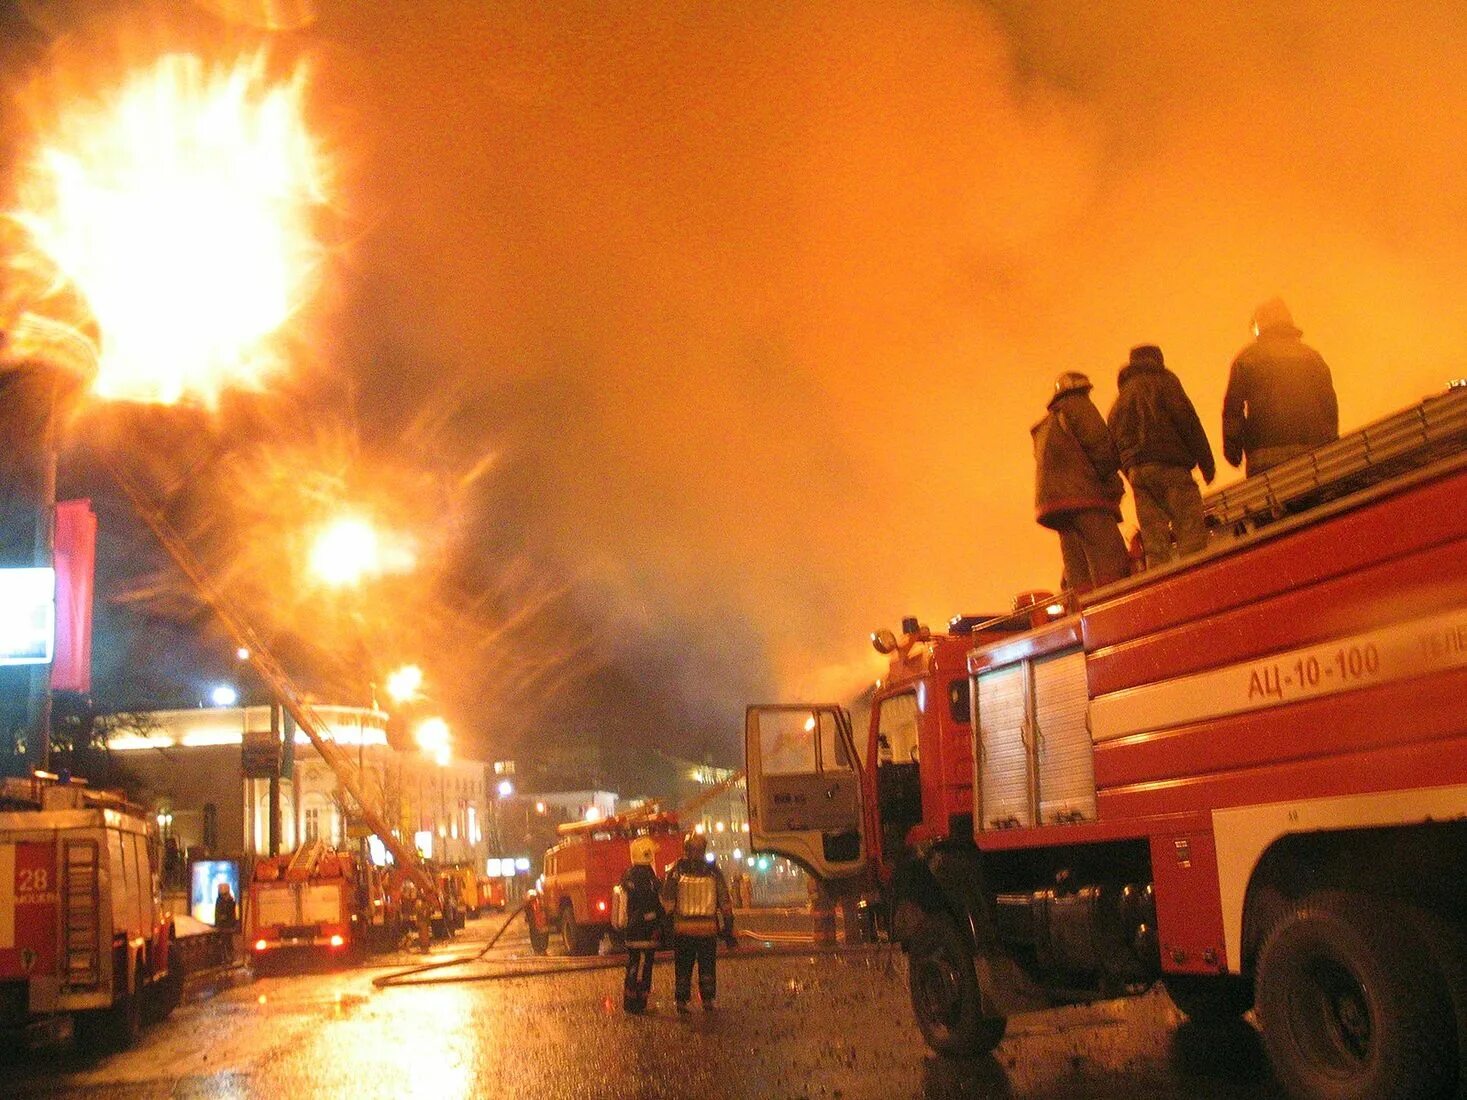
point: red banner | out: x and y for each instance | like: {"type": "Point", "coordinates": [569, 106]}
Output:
{"type": "Point", "coordinates": [76, 559]}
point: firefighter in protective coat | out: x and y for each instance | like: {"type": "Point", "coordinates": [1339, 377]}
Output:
{"type": "Point", "coordinates": [1077, 486]}
{"type": "Point", "coordinates": [642, 917]}
{"type": "Point", "coordinates": [697, 898]}
{"type": "Point", "coordinates": [1280, 400]}
{"type": "Point", "coordinates": [1160, 439]}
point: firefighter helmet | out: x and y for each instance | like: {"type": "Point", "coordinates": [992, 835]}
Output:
{"type": "Point", "coordinates": [643, 850]}
{"type": "Point", "coordinates": [1272, 314]}
{"type": "Point", "coordinates": [695, 846]}
{"type": "Point", "coordinates": [1072, 381]}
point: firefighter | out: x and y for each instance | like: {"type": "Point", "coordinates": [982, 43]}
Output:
{"type": "Point", "coordinates": [1280, 400]}
{"type": "Point", "coordinates": [1159, 439]}
{"type": "Point", "coordinates": [696, 897]}
{"type": "Point", "coordinates": [1077, 485]}
{"type": "Point", "coordinates": [641, 889]}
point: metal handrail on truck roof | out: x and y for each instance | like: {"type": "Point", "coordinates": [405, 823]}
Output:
{"type": "Point", "coordinates": [1404, 441]}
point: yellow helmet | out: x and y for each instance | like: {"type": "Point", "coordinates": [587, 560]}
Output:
{"type": "Point", "coordinates": [643, 850]}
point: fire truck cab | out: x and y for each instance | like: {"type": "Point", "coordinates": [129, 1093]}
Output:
{"type": "Point", "coordinates": [1243, 775]}
{"type": "Point", "coordinates": [82, 926]}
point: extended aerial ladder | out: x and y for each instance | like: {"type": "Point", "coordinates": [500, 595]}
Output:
{"type": "Point", "coordinates": [281, 686]}
{"type": "Point", "coordinates": [653, 809]}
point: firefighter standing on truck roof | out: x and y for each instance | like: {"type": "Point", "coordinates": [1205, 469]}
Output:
{"type": "Point", "coordinates": [697, 898]}
{"type": "Point", "coordinates": [1280, 400]}
{"type": "Point", "coordinates": [1160, 439]}
{"type": "Point", "coordinates": [1077, 485]}
{"type": "Point", "coordinates": [643, 915]}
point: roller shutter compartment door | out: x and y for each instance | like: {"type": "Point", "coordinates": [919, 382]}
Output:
{"type": "Point", "coordinates": [1066, 754]}
{"type": "Point", "coordinates": [1003, 754]}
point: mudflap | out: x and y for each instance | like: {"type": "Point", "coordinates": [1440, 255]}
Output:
{"type": "Point", "coordinates": [1005, 990]}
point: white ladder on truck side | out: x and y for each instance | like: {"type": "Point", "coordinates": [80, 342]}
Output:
{"type": "Point", "coordinates": [1394, 445]}
{"type": "Point", "coordinates": [80, 905]}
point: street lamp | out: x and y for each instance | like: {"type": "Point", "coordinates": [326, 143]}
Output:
{"type": "Point", "coordinates": [223, 695]}
{"type": "Point", "coordinates": [350, 548]}
{"type": "Point", "coordinates": [404, 684]}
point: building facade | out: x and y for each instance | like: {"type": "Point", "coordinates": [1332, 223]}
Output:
{"type": "Point", "coordinates": [189, 767]}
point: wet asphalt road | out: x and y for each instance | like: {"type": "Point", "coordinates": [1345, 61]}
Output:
{"type": "Point", "coordinates": [813, 1026]}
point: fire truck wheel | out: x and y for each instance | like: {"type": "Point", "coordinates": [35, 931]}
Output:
{"type": "Point", "coordinates": [539, 937]}
{"type": "Point", "coordinates": [1352, 1005]}
{"type": "Point", "coordinates": [572, 935]}
{"type": "Point", "coordinates": [1207, 1000]}
{"type": "Point", "coordinates": [105, 1030]}
{"type": "Point", "coordinates": [165, 994]}
{"type": "Point", "coordinates": [944, 988]}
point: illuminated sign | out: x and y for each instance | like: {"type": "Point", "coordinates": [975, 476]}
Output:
{"type": "Point", "coordinates": [27, 616]}
{"type": "Point", "coordinates": [205, 880]}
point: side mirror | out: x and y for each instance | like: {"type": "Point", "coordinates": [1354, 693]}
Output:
{"type": "Point", "coordinates": [884, 641]}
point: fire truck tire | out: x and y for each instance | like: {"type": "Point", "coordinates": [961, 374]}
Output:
{"type": "Point", "coordinates": [1351, 1004]}
{"type": "Point", "coordinates": [1210, 1000]}
{"type": "Point", "coordinates": [106, 1030]}
{"type": "Point", "coordinates": [944, 987]}
{"type": "Point", "coordinates": [576, 939]}
{"type": "Point", "coordinates": [539, 937]}
{"type": "Point", "coordinates": [165, 994]}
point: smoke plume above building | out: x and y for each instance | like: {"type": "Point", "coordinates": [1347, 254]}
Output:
{"type": "Point", "coordinates": [747, 309]}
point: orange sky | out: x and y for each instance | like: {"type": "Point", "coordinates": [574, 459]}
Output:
{"type": "Point", "coordinates": [742, 312]}
{"type": "Point", "coordinates": [792, 280]}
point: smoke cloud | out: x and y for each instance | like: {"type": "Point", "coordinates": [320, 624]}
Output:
{"type": "Point", "coordinates": [748, 308]}
{"type": "Point", "coordinates": [761, 300]}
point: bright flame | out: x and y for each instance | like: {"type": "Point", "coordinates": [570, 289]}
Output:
{"type": "Point", "coordinates": [404, 683]}
{"type": "Point", "coordinates": [180, 208]}
{"type": "Point", "coordinates": [433, 738]}
{"type": "Point", "coordinates": [349, 549]}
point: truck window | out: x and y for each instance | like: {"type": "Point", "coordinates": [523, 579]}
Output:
{"type": "Point", "coordinates": [787, 742]}
{"type": "Point", "coordinates": [833, 754]}
{"type": "Point", "coordinates": [959, 701]}
{"type": "Point", "coordinates": [896, 730]}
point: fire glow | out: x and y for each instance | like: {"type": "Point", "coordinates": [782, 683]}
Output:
{"type": "Point", "coordinates": [180, 207]}
{"type": "Point", "coordinates": [351, 549]}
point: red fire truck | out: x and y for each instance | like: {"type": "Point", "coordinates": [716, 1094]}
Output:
{"type": "Point", "coordinates": [1243, 775]}
{"type": "Point", "coordinates": [573, 896]}
{"type": "Point", "coordinates": [312, 901]}
{"type": "Point", "coordinates": [82, 925]}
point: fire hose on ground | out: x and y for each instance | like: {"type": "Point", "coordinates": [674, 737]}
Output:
{"type": "Point", "coordinates": [779, 944]}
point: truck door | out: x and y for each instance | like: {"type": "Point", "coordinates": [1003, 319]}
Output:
{"type": "Point", "coordinates": [805, 798]}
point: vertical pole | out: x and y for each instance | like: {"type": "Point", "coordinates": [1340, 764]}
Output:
{"type": "Point", "coordinates": [275, 785]}
{"type": "Point", "coordinates": [38, 748]}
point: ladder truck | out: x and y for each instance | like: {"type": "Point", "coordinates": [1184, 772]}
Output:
{"type": "Point", "coordinates": [1242, 775]}
{"type": "Point", "coordinates": [282, 688]}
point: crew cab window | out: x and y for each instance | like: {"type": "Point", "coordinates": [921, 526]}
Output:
{"type": "Point", "coordinates": [787, 742]}
{"type": "Point", "coordinates": [896, 730]}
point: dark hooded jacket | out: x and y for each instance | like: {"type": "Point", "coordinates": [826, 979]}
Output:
{"type": "Point", "coordinates": [1279, 393]}
{"type": "Point", "coordinates": [1075, 462]}
{"type": "Point", "coordinates": [1153, 421]}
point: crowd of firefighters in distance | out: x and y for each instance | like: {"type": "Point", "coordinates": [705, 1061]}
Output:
{"type": "Point", "coordinates": [1280, 402]}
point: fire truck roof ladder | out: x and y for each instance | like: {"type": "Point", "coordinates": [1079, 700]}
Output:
{"type": "Point", "coordinates": [1397, 444]}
